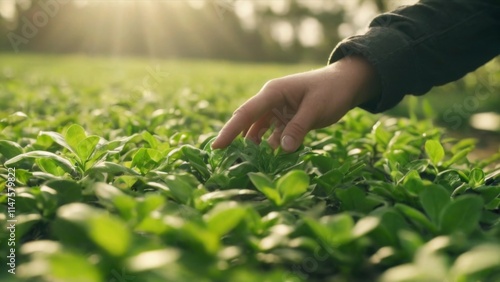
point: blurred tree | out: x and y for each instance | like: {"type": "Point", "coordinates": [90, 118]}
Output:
{"type": "Point", "coordinates": [173, 29]}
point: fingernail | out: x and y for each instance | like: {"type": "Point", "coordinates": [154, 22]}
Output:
{"type": "Point", "coordinates": [215, 143]}
{"type": "Point", "coordinates": [288, 143]}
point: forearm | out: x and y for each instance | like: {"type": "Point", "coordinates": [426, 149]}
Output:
{"type": "Point", "coordinates": [431, 43]}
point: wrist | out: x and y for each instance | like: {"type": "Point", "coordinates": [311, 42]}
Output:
{"type": "Point", "coordinates": [365, 81]}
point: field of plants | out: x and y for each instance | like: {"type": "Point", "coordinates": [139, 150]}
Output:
{"type": "Point", "coordinates": [107, 175]}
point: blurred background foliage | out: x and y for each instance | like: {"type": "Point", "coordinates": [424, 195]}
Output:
{"type": "Point", "coordinates": [277, 30]}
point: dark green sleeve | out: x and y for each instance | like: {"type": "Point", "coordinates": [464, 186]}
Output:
{"type": "Point", "coordinates": [427, 44]}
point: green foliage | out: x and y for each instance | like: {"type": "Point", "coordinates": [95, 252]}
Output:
{"type": "Point", "coordinates": [434, 150]}
{"type": "Point", "coordinates": [286, 189]}
{"type": "Point", "coordinates": [123, 191]}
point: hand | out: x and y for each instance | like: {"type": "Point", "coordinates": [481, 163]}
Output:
{"type": "Point", "coordinates": [295, 104]}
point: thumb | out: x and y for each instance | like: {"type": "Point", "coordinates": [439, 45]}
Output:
{"type": "Point", "coordinates": [295, 131]}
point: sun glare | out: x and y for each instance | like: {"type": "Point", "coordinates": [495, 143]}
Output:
{"type": "Point", "coordinates": [7, 9]}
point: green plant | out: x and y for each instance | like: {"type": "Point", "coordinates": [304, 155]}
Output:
{"type": "Point", "coordinates": [122, 192]}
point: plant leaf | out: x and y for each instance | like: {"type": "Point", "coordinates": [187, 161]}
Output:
{"type": "Point", "coordinates": [68, 191]}
{"type": "Point", "coordinates": [433, 199]}
{"type": "Point", "coordinates": [222, 220]}
{"type": "Point", "coordinates": [86, 147]}
{"type": "Point", "coordinates": [416, 216]}
{"type": "Point", "coordinates": [434, 150]}
{"type": "Point", "coordinates": [64, 163]}
{"type": "Point", "coordinates": [461, 215]}
{"type": "Point", "coordinates": [292, 185]}
{"type": "Point", "coordinates": [110, 233]}
{"type": "Point", "coordinates": [266, 187]}
{"type": "Point", "coordinates": [10, 149]}
{"type": "Point", "coordinates": [59, 139]}
{"type": "Point", "coordinates": [476, 177]}
{"type": "Point", "coordinates": [74, 135]}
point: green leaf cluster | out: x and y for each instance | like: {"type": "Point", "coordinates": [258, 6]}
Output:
{"type": "Point", "coordinates": [124, 186]}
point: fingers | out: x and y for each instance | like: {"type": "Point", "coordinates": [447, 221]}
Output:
{"type": "Point", "coordinates": [274, 139]}
{"type": "Point", "coordinates": [240, 121]}
{"type": "Point", "coordinates": [248, 114]}
{"type": "Point", "coordinates": [297, 128]}
{"type": "Point", "coordinates": [259, 128]}
{"type": "Point", "coordinates": [310, 101]}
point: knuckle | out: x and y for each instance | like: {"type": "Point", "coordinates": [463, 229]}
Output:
{"type": "Point", "coordinates": [296, 129]}
{"type": "Point", "coordinates": [241, 111]}
{"type": "Point", "coordinates": [242, 115]}
{"type": "Point", "coordinates": [238, 111]}
{"type": "Point", "coordinates": [274, 84]}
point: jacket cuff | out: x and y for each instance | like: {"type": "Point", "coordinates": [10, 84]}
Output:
{"type": "Point", "coordinates": [390, 53]}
